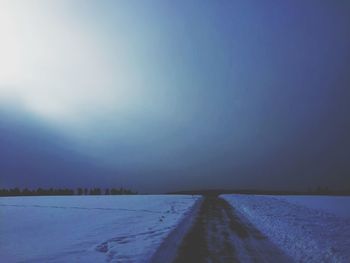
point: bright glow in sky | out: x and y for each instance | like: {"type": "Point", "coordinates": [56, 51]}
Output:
{"type": "Point", "coordinates": [58, 67]}
{"type": "Point", "coordinates": [185, 94]}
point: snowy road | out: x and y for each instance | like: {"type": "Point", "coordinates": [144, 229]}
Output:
{"type": "Point", "coordinates": [220, 234]}
{"type": "Point", "coordinates": [145, 228]}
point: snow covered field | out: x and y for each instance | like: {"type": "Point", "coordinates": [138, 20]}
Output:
{"type": "Point", "coordinates": [87, 228]}
{"type": "Point", "coordinates": [307, 228]}
{"type": "Point", "coordinates": [337, 205]}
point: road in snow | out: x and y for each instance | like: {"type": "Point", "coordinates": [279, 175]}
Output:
{"type": "Point", "coordinates": [234, 228]}
{"type": "Point", "coordinates": [301, 226]}
{"type": "Point", "coordinates": [87, 228]}
{"type": "Point", "coordinates": [219, 234]}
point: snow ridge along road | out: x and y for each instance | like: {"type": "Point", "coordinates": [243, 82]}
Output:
{"type": "Point", "coordinates": [219, 234]}
{"type": "Point", "coordinates": [167, 251]}
{"type": "Point", "coordinates": [305, 234]}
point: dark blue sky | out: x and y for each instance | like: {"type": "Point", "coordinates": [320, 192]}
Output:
{"type": "Point", "coordinates": [165, 95]}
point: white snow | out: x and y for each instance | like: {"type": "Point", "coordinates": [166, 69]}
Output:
{"type": "Point", "coordinates": [336, 205]}
{"type": "Point", "coordinates": [300, 226]}
{"type": "Point", "coordinates": [87, 228]}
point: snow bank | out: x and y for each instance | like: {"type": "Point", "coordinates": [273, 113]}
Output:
{"type": "Point", "coordinates": [307, 235]}
{"type": "Point", "coordinates": [168, 250]}
{"type": "Point", "coordinates": [87, 228]}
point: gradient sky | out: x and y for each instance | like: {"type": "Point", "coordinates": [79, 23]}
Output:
{"type": "Point", "coordinates": [175, 95]}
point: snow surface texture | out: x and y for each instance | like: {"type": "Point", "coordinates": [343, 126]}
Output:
{"type": "Point", "coordinates": [305, 234]}
{"type": "Point", "coordinates": [337, 205]}
{"type": "Point", "coordinates": [87, 228]}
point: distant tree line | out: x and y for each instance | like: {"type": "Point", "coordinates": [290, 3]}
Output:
{"type": "Point", "coordinates": [64, 191]}
{"type": "Point", "coordinates": [310, 191]}
{"type": "Point", "coordinates": [107, 191]}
